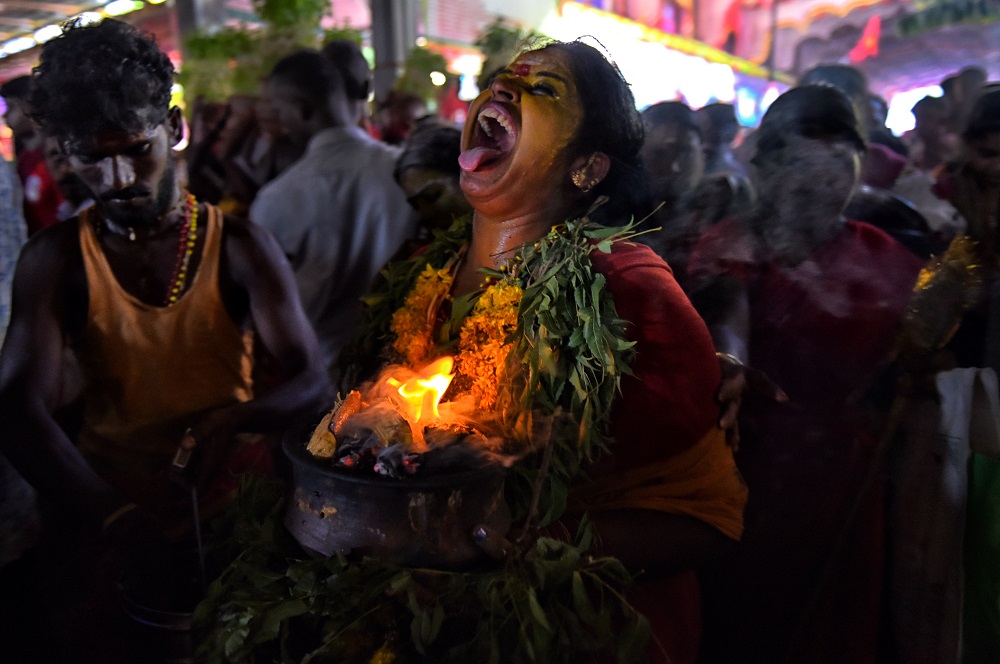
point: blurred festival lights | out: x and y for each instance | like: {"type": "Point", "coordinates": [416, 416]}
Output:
{"type": "Point", "coordinates": [48, 32]}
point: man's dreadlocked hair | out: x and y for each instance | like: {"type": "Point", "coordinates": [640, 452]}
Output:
{"type": "Point", "coordinates": [100, 77]}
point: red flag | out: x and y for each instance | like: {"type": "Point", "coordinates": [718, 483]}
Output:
{"type": "Point", "coordinates": [867, 46]}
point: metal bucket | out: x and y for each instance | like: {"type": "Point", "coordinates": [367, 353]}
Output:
{"type": "Point", "coordinates": [159, 601]}
{"type": "Point", "coordinates": [420, 521]}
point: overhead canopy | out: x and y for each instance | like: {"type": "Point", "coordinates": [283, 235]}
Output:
{"type": "Point", "coordinates": [26, 24]}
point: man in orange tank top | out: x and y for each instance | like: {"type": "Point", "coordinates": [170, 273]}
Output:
{"type": "Point", "coordinates": [161, 299]}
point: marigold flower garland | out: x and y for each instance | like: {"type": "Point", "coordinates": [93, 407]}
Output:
{"type": "Point", "coordinates": [483, 337]}
{"type": "Point", "coordinates": [413, 323]}
{"type": "Point", "coordinates": [483, 342]}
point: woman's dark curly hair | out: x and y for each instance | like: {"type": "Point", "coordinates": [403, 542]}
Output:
{"type": "Point", "coordinates": [107, 76]}
{"type": "Point", "coordinates": [612, 125]}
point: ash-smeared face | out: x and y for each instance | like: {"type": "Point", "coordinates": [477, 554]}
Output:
{"type": "Point", "coordinates": [516, 139]}
{"type": "Point", "coordinates": [808, 178]}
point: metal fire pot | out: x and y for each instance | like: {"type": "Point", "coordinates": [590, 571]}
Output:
{"type": "Point", "coordinates": [419, 521]}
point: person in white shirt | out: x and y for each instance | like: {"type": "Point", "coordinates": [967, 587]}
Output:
{"type": "Point", "coordinates": [337, 212]}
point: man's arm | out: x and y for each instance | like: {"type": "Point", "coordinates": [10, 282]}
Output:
{"type": "Point", "coordinates": [30, 379]}
{"type": "Point", "coordinates": [255, 263]}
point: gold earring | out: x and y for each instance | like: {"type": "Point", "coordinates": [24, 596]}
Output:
{"type": "Point", "coordinates": [580, 177]}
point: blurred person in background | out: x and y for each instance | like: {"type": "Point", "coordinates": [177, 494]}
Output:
{"type": "Point", "coordinates": [880, 133]}
{"type": "Point", "coordinates": [719, 128]}
{"type": "Point", "coordinates": [962, 94]}
{"type": "Point", "coordinates": [932, 146]}
{"type": "Point", "coordinates": [236, 148]}
{"type": "Point", "coordinates": [39, 190]}
{"type": "Point", "coordinates": [882, 162]}
{"type": "Point", "coordinates": [347, 57]}
{"type": "Point", "coordinates": [428, 172]}
{"type": "Point", "coordinates": [726, 187]}
{"type": "Point", "coordinates": [930, 141]}
{"type": "Point", "coordinates": [852, 82]}
{"type": "Point", "coordinates": [19, 520]}
{"type": "Point", "coordinates": [398, 114]}
{"type": "Point", "coordinates": [673, 151]}
{"type": "Point", "coordinates": [337, 212]}
{"type": "Point", "coordinates": [971, 184]}
{"type": "Point", "coordinates": [814, 301]}
{"type": "Point", "coordinates": [674, 155]}
{"type": "Point", "coordinates": [76, 196]}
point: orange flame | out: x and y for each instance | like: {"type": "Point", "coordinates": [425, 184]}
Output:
{"type": "Point", "coordinates": [422, 394]}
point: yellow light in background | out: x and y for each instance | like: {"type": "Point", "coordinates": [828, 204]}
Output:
{"type": "Point", "coordinates": [156, 2]}
{"type": "Point", "coordinates": [43, 35]}
{"type": "Point", "coordinates": [121, 7]}
{"type": "Point", "coordinates": [177, 95]}
{"type": "Point", "coordinates": [438, 79]}
{"type": "Point", "coordinates": [421, 41]}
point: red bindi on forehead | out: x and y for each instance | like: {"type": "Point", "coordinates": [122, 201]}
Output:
{"type": "Point", "coordinates": [522, 70]}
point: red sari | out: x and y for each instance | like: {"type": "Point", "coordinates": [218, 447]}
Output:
{"type": "Point", "coordinates": [669, 454]}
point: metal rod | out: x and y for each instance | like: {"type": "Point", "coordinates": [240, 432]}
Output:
{"type": "Point", "coordinates": [197, 538]}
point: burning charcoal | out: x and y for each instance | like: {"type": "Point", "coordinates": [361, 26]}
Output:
{"type": "Point", "coordinates": [348, 461]}
{"type": "Point", "coordinates": [359, 443]}
{"type": "Point", "coordinates": [396, 462]}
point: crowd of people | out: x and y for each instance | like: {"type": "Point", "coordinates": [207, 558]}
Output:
{"type": "Point", "coordinates": [172, 314]}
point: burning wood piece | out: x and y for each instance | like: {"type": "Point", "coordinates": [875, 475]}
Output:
{"type": "Point", "coordinates": [349, 406]}
{"type": "Point", "coordinates": [323, 443]}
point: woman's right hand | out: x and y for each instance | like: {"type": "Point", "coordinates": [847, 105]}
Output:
{"type": "Point", "coordinates": [739, 380]}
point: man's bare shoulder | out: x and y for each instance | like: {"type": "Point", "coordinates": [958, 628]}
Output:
{"type": "Point", "coordinates": [55, 249]}
{"type": "Point", "coordinates": [250, 250]}
{"type": "Point", "coordinates": [50, 276]}
{"type": "Point", "coordinates": [243, 233]}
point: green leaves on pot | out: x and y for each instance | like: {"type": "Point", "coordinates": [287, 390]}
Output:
{"type": "Point", "coordinates": [555, 604]}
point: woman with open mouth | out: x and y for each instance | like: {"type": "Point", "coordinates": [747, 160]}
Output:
{"type": "Point", "coordinates": [547, 303]}
{"type": "Point", "coordinates": [592, 370]}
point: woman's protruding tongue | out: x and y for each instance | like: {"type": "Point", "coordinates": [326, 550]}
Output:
{"type": "Point", "coordinates": [493, 140]}
{"type": "Point", "coordinates": [473, 158]}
